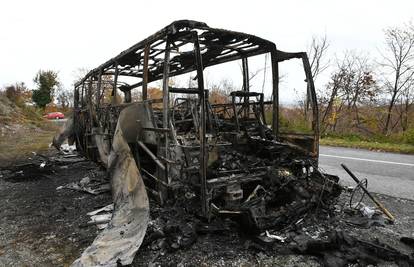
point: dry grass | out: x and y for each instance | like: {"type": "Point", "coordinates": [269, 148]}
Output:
{"type": "Point", "coordinates": [23, 130]}
{"type": "Point", "coordinates": [21, 143]}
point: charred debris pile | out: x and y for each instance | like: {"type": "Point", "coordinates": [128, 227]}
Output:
{"type": "Point", "coordinates": [302, 212]}
{"type": "Point", "coordinates": [264, 185]}
{"type": "Point", "coordinates": [294, 210]}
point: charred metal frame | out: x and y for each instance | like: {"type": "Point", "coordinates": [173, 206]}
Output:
{"type": "Point", "coordinates": [157, 58]}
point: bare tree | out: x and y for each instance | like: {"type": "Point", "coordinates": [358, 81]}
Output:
{"type": "Point", "coordinates": [352, 85]}
{"type": "Point", "coordinates": [339, 80]}
{"type": "Point", "coordinates": [399, 61]}
{"type": "Point", "coordinates": [406, 103]}
{"type": "Point", "coordinates": [64, 97]}
{"type": "Point", "coordinates": [79, 73]}
{"type": "Point", "coordinates": [317, 52]}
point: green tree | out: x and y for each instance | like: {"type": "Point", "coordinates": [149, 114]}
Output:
{"type": "Point", "coordinates": [46, 81]}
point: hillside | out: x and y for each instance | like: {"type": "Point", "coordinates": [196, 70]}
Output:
{"type": "Point", "coordinates": [22, 131]}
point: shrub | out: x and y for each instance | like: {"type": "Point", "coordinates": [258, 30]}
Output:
{"type": "Point", "coordinates": [17, 94]}
{"type": "Point", "coordinates": [409, 136]}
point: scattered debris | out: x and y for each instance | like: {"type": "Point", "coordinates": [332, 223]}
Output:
{"type": "Point", "coordinates": [341, 249]}
{"type": "Point", "coordinates": [380, 206]}
{"type": "Point", "coordinates": [109, 207]}
{"type": "Point", "coordinates": [367, 211]}
{"type": "Point", "coordinates": [100, 220]}
{"type": "Point", "coordinates": [67, 149]}
{"type": "Point", "coordinates": [279, 238]}
{"type": "Point", "coordinates": [33, 170]}
{"type": "Point", "coordinates": [176, 236]}
{"type": "Point", "coordinates": [101, 217]}
{"type": "Point", "coordinates": [88, 185]}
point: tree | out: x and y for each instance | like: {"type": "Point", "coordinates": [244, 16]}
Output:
{"type": "Point", "coordinates": [399, 60]}
{"type": "Point", "coordinates": [46, 81]}
{"type": "Point", "coordinates": [220, 91]}
{"type": "Point", "coordinates": [317, 52]}
{"type": "Point", "coordinates": [339, 79]}
{"type": "Point", "coordinates": [406, 102]}
{"type": "Point", "coordinates": [352, 85]}
{"type": "Point", "coordinates": [64, 97]}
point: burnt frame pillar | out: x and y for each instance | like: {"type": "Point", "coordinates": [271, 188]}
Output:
{"type": "Point", "coordinates": [145, 73]}
{"type": "Point", "coordinates": [275, 91]}
{"type": "Point", "coordinates": [205, 208]}
{"type": "Point", "coordinates": [82, 96]}
{"type": "Point", "coordinates": [89, 103]}
{"type": "Point", "coordinates": [246, 85]}
{"type": "Point", "coordinates": [114, 90]}
{"type": "Point", "coordinates": [98, 90]}
{"type": "Point", "coordinates": [314, 101]}
{"type": "Point", "coordinates": [76, 97]}
{"type": "Point", "coordinates": [127, 96]}
{"type": "Point", "coordinates": [282, 56]}
{"type": "Point", "coordinates": [163, 193]}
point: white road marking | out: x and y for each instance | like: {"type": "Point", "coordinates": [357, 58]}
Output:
{"type": "Point", "coordinates": [370, 160]}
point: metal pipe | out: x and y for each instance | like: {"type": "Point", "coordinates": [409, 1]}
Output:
{"type": "Point", "coordinates": [153, 157]}
{"type": "Point", "coordinates": [153, 177]}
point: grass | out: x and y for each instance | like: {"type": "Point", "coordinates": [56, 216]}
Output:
{"type": "Point", "coordinates": [23, 131]}
{"type": "Point", "coordinates": [20, 145]}
{"type": "Point", "coordinates": [375, 144]}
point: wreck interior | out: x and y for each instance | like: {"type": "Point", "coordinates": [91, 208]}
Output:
{"type": "Point", "coordinates": [231, 158]}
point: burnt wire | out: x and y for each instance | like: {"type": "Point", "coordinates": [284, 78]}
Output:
{"type": "Point", "coordinates": [358, 188]}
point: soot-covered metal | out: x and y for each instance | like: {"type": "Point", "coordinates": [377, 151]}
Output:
{"type": "Point", "coordinates": [224, 160]}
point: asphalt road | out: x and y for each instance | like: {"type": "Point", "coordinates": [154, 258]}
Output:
{"type": "Point", "coordinates": [387, 173]}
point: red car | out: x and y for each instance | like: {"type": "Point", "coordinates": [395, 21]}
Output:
{"type": "Point", "coordinates": [54, 116]}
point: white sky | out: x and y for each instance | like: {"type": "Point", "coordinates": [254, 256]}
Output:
{"type": "Point", "coordinates": [67, 35]}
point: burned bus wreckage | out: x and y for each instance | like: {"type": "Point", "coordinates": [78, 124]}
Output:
{"type": "Point", "coordinates": [218, 160]}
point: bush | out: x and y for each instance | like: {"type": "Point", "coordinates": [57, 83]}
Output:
{"type": "Point", "coordinates": [345, 136]}
{"type": "Point", "coordinates": [409, 136]}
{"type": "Point", "coordinates": [17, 94]}
{"type": "Point", "coordinates": [12, 93]}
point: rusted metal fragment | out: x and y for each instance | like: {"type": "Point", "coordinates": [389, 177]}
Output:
{"type": "Point", "coordinates": [119, 242]}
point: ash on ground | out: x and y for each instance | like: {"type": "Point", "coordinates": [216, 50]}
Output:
{"type": "Point", "coordinates": [43, 226]}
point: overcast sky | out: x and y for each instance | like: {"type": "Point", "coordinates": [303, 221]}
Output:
{"type": "Point", "coordinates": [67, 35]}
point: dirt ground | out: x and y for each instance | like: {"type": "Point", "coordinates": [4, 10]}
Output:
{"type": "Point", "coordinates": [42, 226]}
